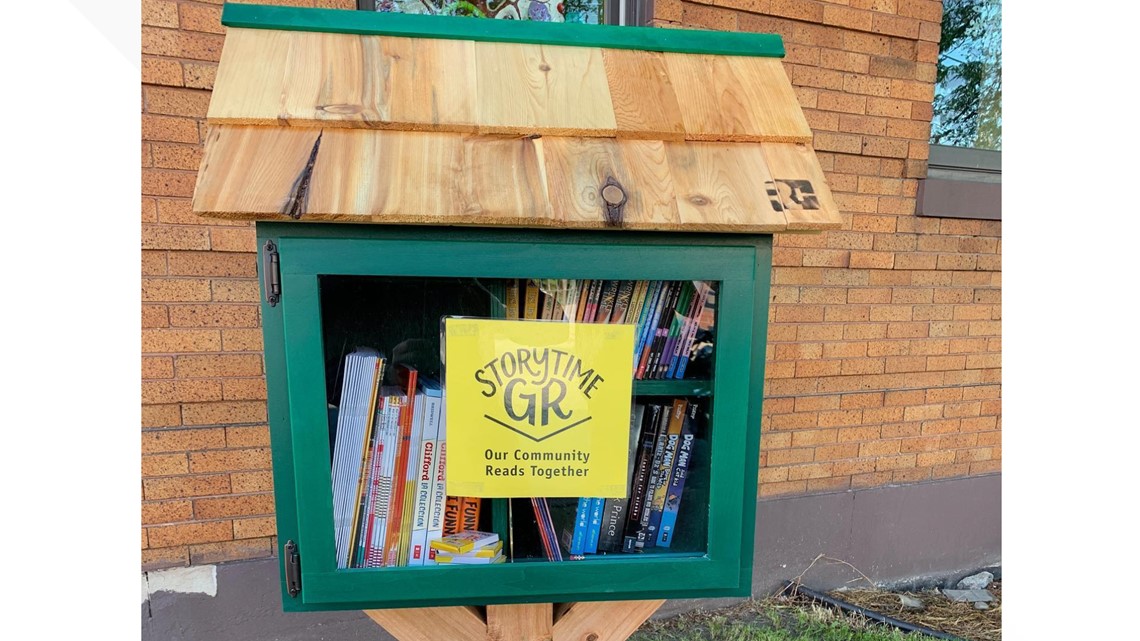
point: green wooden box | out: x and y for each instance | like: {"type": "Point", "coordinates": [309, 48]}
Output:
{"type": "Point", "coordinates": [315, 265]}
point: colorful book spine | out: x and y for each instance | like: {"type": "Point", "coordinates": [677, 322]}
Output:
{"type": "Point", "coordinates": [581, 527]}
{"type": "Point", "coordinates": [677, 480]}
{"type": "Point", "coordinates": [511, 299]}
{"type": "Point", "coordinates": [592, 298]}
{"type": "Point", "coordinates": [593, 533]}
{"type": "Point", "coordinates": [606, 300]}
{"type": "Point", "coordinates": [665, 470]}
{"type": "Point", "coordinates": [381, 500]}
{"type": "Point", "coordinates": [622, 301]}
{"type": "Point", "coordinates": [680, 310]}
{"type": "Point", "coordinates": [678, 349]}
{"type": "Point", "coordinates": [653, 298]}
{"type": "Point", "coordinates": [704, 290]}
{"type": "Point", "coordinates": [583, 298]}
{"type": "Point", "coordinates": [530, 301]}
{"type": "Point", "coordinates": [640, 477]}
{"type": "Point", "coordinates": [400, 472]}
{"type": "Point", "coordinates": [658, 328]}
{"type": "Point", "coordinates": [425, 472]}
{"type": "Point", "coordinates": [614, 512]}
{"type": "Point", "coordinates": [547, 299]}
{"type": "Point", "coordinates": [439, 488]}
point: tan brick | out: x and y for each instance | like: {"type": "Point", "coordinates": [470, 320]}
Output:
{"type": "Point", "coordinates": [177, 156]}
{"type": "Point", "coordinates": [957, 441]}
{"type": "Point", "coordinates": [866, 85]}
{"type": "Point", "coordinates": [154, 513]}
{"type": "Point", "coordinates": [186, 486]}
{"type": "Point", "coordinates": [164, 464]}
{"type": "Point", "coordinates": [857, 466]}
{"type": "Point", "coordinates": [179, 440]}
{"type": "Point", "coordinates": [818, 35]}
{"type": "Point", "coordinates": [167, 237]}
{"type": "Point", "coordinates": [985, 328]}
{"type": "Point", "coordinates": [165, 182]}
{"type": "Point", "coordinates": [174, 290]}
{"type": "Point", "coordinates": [711, 17]}
{"type": "Point", "coordinates": [879, 448]}
{"type": "Point", "coordinates": [825, 121]}
{"type": "Point", "coordinates": [847, 17]}
{"type": "Point", "coordinates": [233, 239]}
{"type": "Point", "coordinates": [830, 484]}
{"type": "Point", "coordinates": [812, 471]}
{"type": "Point", "coordinates": [169, 129]}
{"type": "Point", "coordinates": [154, 316]}
{"type": "Point", "coordinates": [255, 527]}
{"type": "Point", "coordinates": [913, 475]}
{"type": "Point", "coordinates": [834, 452]}
{"type": "Point", "coordinates": [161, 416]}
{"type": "Point", "coordinates": [780, 370]}
{"type": "Point", "coordinates": [985, 467]}
{"type": "Point", "coordinates": [806, 10]}
{"type": "Point", "coordinates": [794, 421]}
{"type": "Point", "coordinates": [884, 147]}
{"type": "Point", "coordinates": [943, 426]}
{"type": "Point", "coordinates": [195, 17]}
{"type": "Point", "coordinates": [243, 482]}
{"type": "Point", "coordinates": [231, 551]}
{"type": "Point", "coordinates": [156, 559]}
{"type": "Point", "coordinates": [214, 316]}
{"type": "Point", "coordinates": [194, 366]}
{"type": "Point", "coordinates": [841, 102]}
{"type": "Point", "coordinates": [159, 13]}
{"type": "Point", "coordinates": [787, 487]}
{"type": "Point", "coordinates": [887, 348]}
{"type": "Point", "coordinates": [858, 124]}
{"type": "Point", "coordinates": [871, 480]}
{"type": "Point", "coordinates": [908, 330]}
{"type": "Point", "coordinates": [773, 474]}
{"type": "Point", "coordinates": [927, 10]}
{"type": "Point", "coordinates": [168, 101]}
{"type": "Point", "coordinates": [840, 418]}
{"type": "Point", "coordinates": [911, 90]}
{"type": "Point", "coordinates": [846, 313]}
{"type": "Point", "coordinates": [895, 364]}
{"type": "Point", "coordinates": [895, 462]}
{"type": "Point", "coordinates": [247, 436]}
{"type": "Point", "coordinates": [223, 412]}
{"type": "Point", "coordinates": [180, 340]}
{"type": "Point", "coordinates": [230, 460]}
{"type": "Point", "coordinates": [791, 457]}
{"type": "Point", "coordinates": [230, 506]}
{"type": "Point", "coordinates": [158, 392]}
{"type": "Point", "coordinates": [862, 366]}
{"type": "Point", "coordinates": [243, 389]}
{"type": "Point", "coordinates": [948, 471]}
{"type": "Point", "coordinates": [844, 60]}
{"type": "Point", "coordinates": [235, 291]}
{"type": "Point", "coordinates": [181, 44]}
{"type": "Point", "coordinates": [868, 331]}
{"type": "Point", "coordinates": [213, 264]}
{"type": "Point", "coordinates": [190, 533]}
{"type": "Point", "coordinates": [843, 143]}
{"type": "Point", "coordinates": [856, 349]}
{"type": "Point", "coordinates": [157, 367]}
{"type": "Point", "coordinates": [808, 438]}
{"type": "Point", "coordinates": [160, 71]}
{"type": "Point", "coordinates": [199, 75]}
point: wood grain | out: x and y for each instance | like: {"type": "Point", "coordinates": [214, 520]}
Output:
{"type": "Point", "coordinates": [367, 175]}
{"type": "Point", "coordinates": [735, 98]}
{"type": "Point", "coordinates": [522, 89]}
{"type": "Point", "coordinates": [720, 187]}
{"type": "Point", "coordinates": [251, 77]}
{"type": "Point", "coordinates": [459, 623]}
{"type": "Point", "coordinates": [520, 622]}
{"type": "Point", "coordinates": [577, 168]}
{"type": "Point", "coordinates": [808, 206]}
{"type": "Point", "coordinates": [603, 621]}
{"type": "Point", "coordinates": [645, 105]}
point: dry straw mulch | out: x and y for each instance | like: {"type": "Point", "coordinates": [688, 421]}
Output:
{"type": "Point", "coordinates": [939, 613]}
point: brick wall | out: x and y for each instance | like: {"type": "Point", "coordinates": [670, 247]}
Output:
{"type": "Point", "coordinates": [884, 343]}
{"type": "Point", "coordinates": [884, 347]}
{"type": "Point", "coordinates": [206, 483]}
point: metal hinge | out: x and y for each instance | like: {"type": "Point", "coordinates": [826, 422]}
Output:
{"type": "Point", "coordinates": [271, 273]}
{"type": "Point", "coordinates": [292, 568]}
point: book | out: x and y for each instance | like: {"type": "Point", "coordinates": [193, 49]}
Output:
{"type": "Point", "coordinates": [664, 317]}
{"type": "Point", "coordinates": [581, 527]}
{"type": "Point", "coordinates": [511, 299]}
{"type": "Point", "coordinates": [425, 470]}
{"type": "Point", "coordinates": [680, 311]}
{"type": "Point", "coordinates": [622, 301]}
{"type": "Point", "coordinates": [636, 302]}
{"type": "Point", "coordinates": [462, 559]}
{"type": "Point", "coordinates": [547, 299]}
{"type": "Point", "coordinates": [393, 539]}
{"type": "Point", "coordinates": [382, 484]}
{"type": "Point", "coordinates": [705, 290]}
{"type": "Point", "coordinates": [582, 298]}
{"type": "Point", "coordinates": [465, 541]}
{"type": "Point", "coordinates": [647, 324]}
{"type": "Point", "coordinates": [659, 438]}
{"type": "Point", "coordinates": [439, 487]}
{"type": "Point", "coordinates": [364, 488]}
{"type": "Point", "coordinates": [637, 502]}
{"type": "Point", "coordinates": [592, 298]}
{"type": "Point", "coordinates": [677, 479]}
{"type": "Point", "coordinates": [411, 479]}
{"type": "Point", "coordinates": [361, 377]}
{"type": "Point", "coordinates": [613, 515]}
{"type": "Point", "coordinates": [665, 470]}
{"type": "Point", "coordinates": [679, 349]}
{"type": "Point", "coordinates": [594, 531]}
{"type": "Point", "coordinates": [606, 299]}
{"type": "Point", "coordinates": [530, 302]}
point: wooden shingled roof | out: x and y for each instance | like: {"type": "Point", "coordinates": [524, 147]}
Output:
{"type": "Point", "coordinates": [328, 115]}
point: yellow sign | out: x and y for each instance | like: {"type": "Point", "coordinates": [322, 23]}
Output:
{"type": "Point", "coordinates": [537, 408]}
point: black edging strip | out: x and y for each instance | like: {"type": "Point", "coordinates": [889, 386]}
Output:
{"type": "Point", "coordinates": [791, 588]}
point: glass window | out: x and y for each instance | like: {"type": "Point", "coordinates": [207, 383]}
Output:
{"type": "Point", "coordinates": [967, 96]}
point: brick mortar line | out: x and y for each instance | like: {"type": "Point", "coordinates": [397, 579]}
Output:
{"type": "Point", "coordinates": [885, 390]}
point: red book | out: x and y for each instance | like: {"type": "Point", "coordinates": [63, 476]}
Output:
{"type": "Point", "coordinates": [400, 472]}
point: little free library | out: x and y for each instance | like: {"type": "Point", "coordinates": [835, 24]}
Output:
{"type": "Point", "coordinates": [514, 283]}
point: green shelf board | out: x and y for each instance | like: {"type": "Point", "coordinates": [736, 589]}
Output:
{"type": "Point", "coordinates": [682, 387]}
{"type": "Point", "coordinates": [721, 43]}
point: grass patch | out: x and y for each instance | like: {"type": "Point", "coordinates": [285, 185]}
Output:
{"type": "Point", "coordinates": [768, 620]}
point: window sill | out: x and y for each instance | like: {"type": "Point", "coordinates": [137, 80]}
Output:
{"type": "Point", "coordinates": [961, 183]}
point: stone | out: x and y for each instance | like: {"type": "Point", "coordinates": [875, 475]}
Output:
{"type": "Point", "coordinates": [910, 603]}
{"type": "Point", "coordinates": [966, 596]}
{"type": "Point", "coordinates": [979, 581]}
{"type": "Point", "coordinates": [981, 605]}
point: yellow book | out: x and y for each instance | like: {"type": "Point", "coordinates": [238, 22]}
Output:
{"type": "Point", "coordinates": [464, 541]}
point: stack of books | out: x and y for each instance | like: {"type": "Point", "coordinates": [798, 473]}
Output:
{"type": "Point", "coordinates": [469, 548]}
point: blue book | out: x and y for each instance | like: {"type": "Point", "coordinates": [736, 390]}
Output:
{"type": "Point", "coordinates": [651, 300]}
{"type": "Point", "coordinates": [676, 484]}
{"type": "Point", "coordinates": [581, 525]}
{"type": "Point", "coordinates": [595, 530]}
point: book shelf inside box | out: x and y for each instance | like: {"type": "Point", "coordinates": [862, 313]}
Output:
{"type": "Point", "coordinates": [400, 318]}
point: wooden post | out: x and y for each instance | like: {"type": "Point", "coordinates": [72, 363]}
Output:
{"type": "Point", "coordinates": [586, 621]}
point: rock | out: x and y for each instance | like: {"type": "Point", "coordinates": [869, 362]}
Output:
{"type": "Point", "coordinates": [965, 596]}
{"type": "Point", "coordinates": [981, 605]}
{"type": "Point", "coordinates": [910, 603]}
{"type": "Point", "coordinates": [979, 581]}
